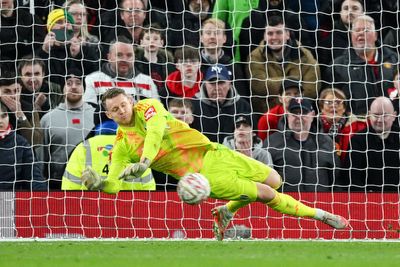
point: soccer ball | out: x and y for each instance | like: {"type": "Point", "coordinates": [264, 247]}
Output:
{"type": "Point", "coordinates": [193, 188]}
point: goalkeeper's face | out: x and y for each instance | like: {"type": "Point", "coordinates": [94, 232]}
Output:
{"type": "Point", "coordinates": [119, 109]}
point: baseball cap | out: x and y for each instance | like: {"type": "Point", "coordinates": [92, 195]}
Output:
{"type": "Point", "coordinates": [218, 72]}
{"type": "Point", "coordinates": [242, 119]}
{"type": "Point", "coordinates": [290, 83]}
{"type": "Point", "coordinates": [300, 103]}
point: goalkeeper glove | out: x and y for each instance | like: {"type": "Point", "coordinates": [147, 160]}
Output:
{"type": "Point", "coordinates": [91, 179]}
{"type": "Point", "coordinates": [136, 169]}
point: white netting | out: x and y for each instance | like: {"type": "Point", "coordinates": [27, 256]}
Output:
{"type": "Point", "coordinates": [333, 150]}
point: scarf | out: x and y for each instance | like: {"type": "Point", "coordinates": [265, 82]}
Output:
{"type": "Point", "coordinates": [333, 128]}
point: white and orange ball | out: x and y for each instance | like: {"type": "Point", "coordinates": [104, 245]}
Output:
{"type": "Point", "coordinates": [193, 188]}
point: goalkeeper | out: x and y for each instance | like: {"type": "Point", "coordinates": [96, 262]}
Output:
{"type": "Point", "coordinates": [149, 136]}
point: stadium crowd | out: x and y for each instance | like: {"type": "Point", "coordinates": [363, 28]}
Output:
{"type": "Point", "coordinates": [310, 88]}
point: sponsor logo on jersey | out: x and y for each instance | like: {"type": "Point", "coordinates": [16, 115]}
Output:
{"type": "Point", "coordinates": [149, 113]}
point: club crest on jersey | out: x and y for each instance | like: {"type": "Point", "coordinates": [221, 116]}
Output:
{"type": "Point", "coordinates": [149, 113]}
{"type": "Point", "coordinates": [119, 136]}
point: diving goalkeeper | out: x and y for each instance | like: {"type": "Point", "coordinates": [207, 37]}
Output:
{"type": "Point", "coordinates": [150, 137]}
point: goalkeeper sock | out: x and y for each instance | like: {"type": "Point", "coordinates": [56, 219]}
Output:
{"type": "Point", "coordinates": [288, 205]}
{"type": "Point", "coordinates": [234, 206]}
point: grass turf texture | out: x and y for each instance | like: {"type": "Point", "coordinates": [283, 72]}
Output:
{"type": "Point", "coordinates": [199, 253]}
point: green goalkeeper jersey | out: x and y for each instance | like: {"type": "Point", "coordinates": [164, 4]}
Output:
{"type": "Point", "coordinates": [170, 144]}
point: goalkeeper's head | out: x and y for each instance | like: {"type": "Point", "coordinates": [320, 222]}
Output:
{"type": "Point", "coordinates": [118, 106]}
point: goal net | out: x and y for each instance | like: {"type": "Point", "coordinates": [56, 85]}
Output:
{"type": "Point", "coordinates": [310, 88]}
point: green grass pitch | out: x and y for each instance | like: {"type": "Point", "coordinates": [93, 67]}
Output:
{"type": "Point", "coordinates": [198, 253]}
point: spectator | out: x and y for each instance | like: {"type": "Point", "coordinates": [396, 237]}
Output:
{"type": "Point", "coordinates": [216, 105]}
{"type": "Point", "coordinates": [367, 72]}
{"type": "Point", "coordinates": [127, 19]}
{"type": "Point", "coordinates": [277, 57]}
{"type": "Point", "coordinates": [62, 50]}
{"type": "Point", "coordinates": [337, 121]}
{"type": "Point", "coordinates": [181, 109]}
{"type": "Point", "coordinates": [22, 119]}
{"type": "Point", "coordinates": [18, 168]}
{"type": "Point", "coordinates": [133, 15]}
{"type": "Point", "coordinates": [65, 127]}
{"type": "Point", "coordinates": [234, 12]}
{"type": "Point", "coordinates": [305, 160]}
{"type": "Point", "coordinates": [20, 34]}
{"type": "Point", "coordinates": [95, 153]}
{"type": "Point", "coordinates": [269, 121]}
{"type": "Point", "coordinates": [186, 80]}
{"type": "Point", "coordinates": [37, 93]}
{"type": "Point", "coordinates": [120, 72]}
{"type": "Point", "coordinates": [78, 11]}
{"type": "Point", "coordinates": [373, 160]}
{"type": "Point", "coordinates": [247, 142]}
{"type": "Point", "coordinates": [338, 41]}
{"type": "Point", "coordinates": [253, 27]}
{"type": "Point", "coordinates": [213, 38]}
{"type": "Point", "coordinates": [152, 58]}
{"type": "Point", "coordinates": [185, 23]}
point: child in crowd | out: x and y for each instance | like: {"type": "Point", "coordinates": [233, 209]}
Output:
{"type": "Point", "coordinates": [186, 81]}
{"type": "Point", "coordinates": [152, 58]}
{"type": "Point", "coordinates": [182, 109]}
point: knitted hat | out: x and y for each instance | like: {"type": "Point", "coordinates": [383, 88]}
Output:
{"type": "Point", "coordinates": [57, 14]}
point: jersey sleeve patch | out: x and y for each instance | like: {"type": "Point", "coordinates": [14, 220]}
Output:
{"type": "Point", "coordinates": [149, 113]}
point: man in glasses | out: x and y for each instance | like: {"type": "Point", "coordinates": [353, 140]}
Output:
{"type": "Point", "coordinates": [364, 71]}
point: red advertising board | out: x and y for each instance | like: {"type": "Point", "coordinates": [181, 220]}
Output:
{"type": "Point", "coordinates": [163, 215]}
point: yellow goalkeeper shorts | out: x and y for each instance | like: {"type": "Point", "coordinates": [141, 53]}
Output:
{"type": "Point", "coordinates": [232, 175]}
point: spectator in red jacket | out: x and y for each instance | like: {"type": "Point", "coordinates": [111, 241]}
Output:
{"type": "Point", "coordinates": [186, 80]}
{"type": "Point", "coordinates": [337, 121]}
{"type": "Point", "coordinates": [268, 123]}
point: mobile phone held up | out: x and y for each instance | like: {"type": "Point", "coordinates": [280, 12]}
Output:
{"type": "Point", "coordinates": [63, 35]}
